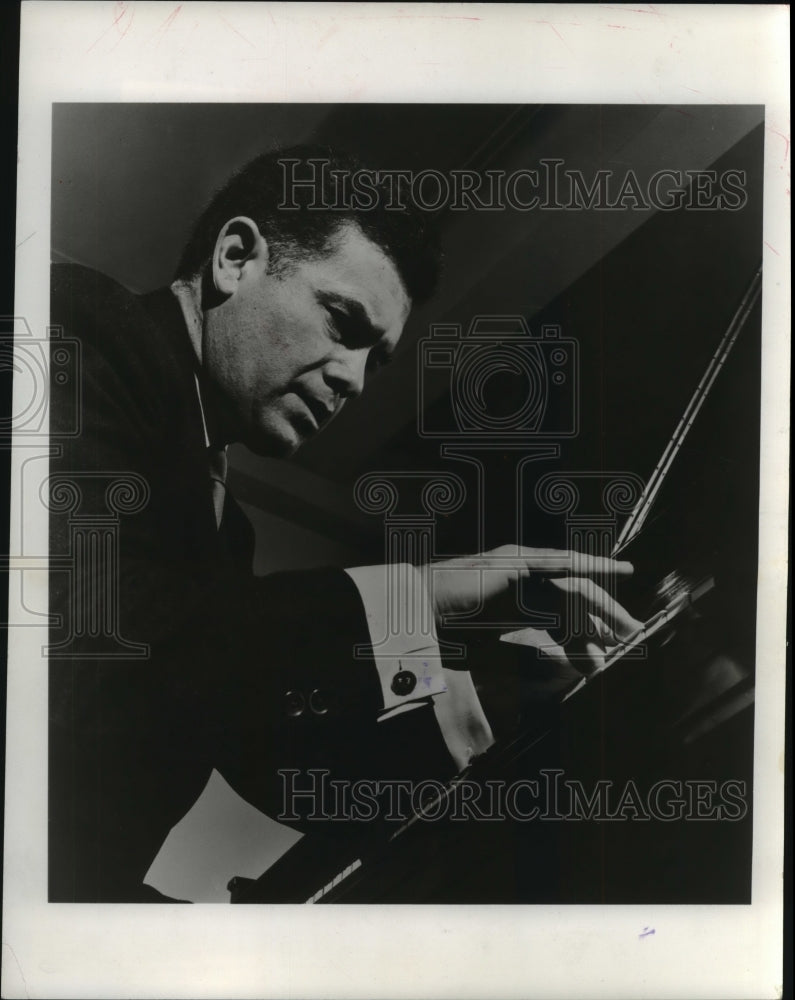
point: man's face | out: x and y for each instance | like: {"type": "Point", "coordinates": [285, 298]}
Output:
{"type": "Point", "coordinates": [285, 350]}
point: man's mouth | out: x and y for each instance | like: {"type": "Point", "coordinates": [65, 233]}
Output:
{"type": "Point", "coordinates": [321, 412]}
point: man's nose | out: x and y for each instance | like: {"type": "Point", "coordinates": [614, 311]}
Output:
{"type": "Point", "coordinates": [345, 373]}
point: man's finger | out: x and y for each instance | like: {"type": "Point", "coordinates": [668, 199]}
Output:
{"type": "Point", "coordinates": [573, 562]}
{"type": "Point", "coordinates": [600, 603]}
{"type": "Point", "coordinates": [596, 656]}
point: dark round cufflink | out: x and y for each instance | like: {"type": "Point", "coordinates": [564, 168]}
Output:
{"type": "Point", "coordinates": [403, 682]}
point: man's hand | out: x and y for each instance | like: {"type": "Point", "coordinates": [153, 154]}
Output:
{"type": "Point", "coordinates": [469, 584]}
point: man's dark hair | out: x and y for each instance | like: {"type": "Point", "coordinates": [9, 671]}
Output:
{"type": "Point", "coordinates": [405, 233]}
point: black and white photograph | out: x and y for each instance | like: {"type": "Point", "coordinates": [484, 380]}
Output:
{"type": "Point", "coordinates": [388, 506]}
{"type": "Point", "coordinates": [402, 620]}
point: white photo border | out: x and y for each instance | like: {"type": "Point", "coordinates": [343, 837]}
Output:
{"type": "Point", "coordinates": [538, 53]}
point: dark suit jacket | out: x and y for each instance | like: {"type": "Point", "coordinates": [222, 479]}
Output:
{"type": "Point", "coordinates": [231, 659]}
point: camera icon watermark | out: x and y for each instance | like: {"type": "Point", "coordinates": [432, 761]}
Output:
{"type": "Point", "coordinates": [41, 366]}
{"type": "Point", "coordinates": [498, 380]}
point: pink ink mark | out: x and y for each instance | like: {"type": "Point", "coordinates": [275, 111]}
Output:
{"type": "Point", "coordinates": [781, 135]}
{"type": "Point", "coordinates": [772, 248]}
{"type": "Point", "coordinates": [549, 24]}
{"type": "Point", "coordinates": [170, 19]}
{"type": "Point", "coordinates": [122, 8]}
{"type": "Point", "coordinates": [163, 28]}
{"type": "Point", "coordinates": [679, 111]}
{"type": "Point", "coordinates": [326, 35]}
{"type": "Point", "coordinates": [126, 29]}
{"type": "Point", "coordinates": [238, 33]}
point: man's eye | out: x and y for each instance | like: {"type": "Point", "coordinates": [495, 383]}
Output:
{"type": "Point", "coordinates": [342, 326]}
{"type": "Point", "coordinates": [337, 319]}
{"type": "Point", "coordinates": [377, 360]}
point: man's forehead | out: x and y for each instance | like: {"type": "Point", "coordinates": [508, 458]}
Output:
{"type": "Point", "coordinates": [356, 268]}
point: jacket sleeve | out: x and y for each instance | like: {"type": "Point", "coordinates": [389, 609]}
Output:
{"type": "Point", "coordinates": [167, 656]}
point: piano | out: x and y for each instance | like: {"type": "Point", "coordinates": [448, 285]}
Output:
{"type": "Point", "coordinates": [633, 784]}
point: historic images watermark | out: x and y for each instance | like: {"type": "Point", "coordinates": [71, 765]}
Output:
{"type": "Point", "coordinates": [550, 186]}
{"type": "Point", "coordinates": [40, 363]}
{"type": "Point", "coordinates": [494, 386]}
{"type": "Point", "coordinates": [33, 360]}
{"type": "Point", "coordinates": [504, 380]}
{"type": "Point", "coordinates": [549, 797]}
{"type": "Point", "coordinates": [86, 561]}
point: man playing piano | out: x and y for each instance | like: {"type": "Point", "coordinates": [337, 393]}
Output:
{"type": "Point", "coordinates": [274, 320]}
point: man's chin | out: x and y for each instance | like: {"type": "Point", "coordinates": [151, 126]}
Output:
{"type": "Point", "coordinates": [281, 442]}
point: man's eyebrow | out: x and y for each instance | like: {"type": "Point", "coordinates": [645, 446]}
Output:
{"type": "Point", "coordinates": [360, 322]}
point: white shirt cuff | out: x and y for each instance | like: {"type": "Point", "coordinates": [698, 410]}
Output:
{"type": "Point", "coordinates": [402, 633]}
{"type": "Point", "coordinates": [403, 636]}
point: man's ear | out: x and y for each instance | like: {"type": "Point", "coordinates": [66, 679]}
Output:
{"type": "Point", "coordinates": [238, 245]}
